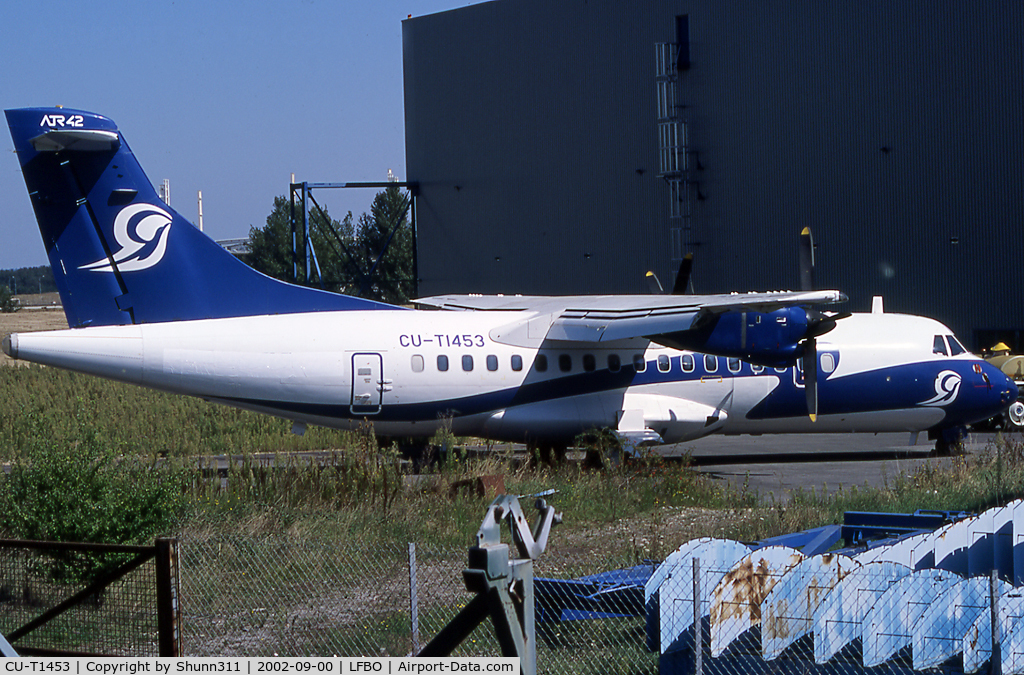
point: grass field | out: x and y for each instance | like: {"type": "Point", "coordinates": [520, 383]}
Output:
{"type": "Point", "coordinates": [29, 320]}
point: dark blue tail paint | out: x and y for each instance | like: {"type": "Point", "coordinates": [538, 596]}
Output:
{"type": "Point", "coordinates": [119, 254]}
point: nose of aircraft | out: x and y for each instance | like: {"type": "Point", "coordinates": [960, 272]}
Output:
{"type": "Point", "coordinates": [1011, 391]}
{"type": "Point", "coordinates": [1006, 387]}
{"type": "Point", "coordinates": [989, 395]}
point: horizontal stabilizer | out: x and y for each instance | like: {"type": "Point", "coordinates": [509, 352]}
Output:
{"type": "Point", "coordinates": [80, 140]}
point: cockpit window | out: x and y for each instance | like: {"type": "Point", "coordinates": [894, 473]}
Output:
{"type": "Point", "coordinates": [939, 346]}
{"type": "Point", "coordinates": [954, 346]}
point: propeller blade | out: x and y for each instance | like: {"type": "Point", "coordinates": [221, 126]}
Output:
{"type": "Point", "coordinates": [811, 377]}
{"type": "Point", "coordinates": [806, 260]}
{"type": "Point", "coordinates": [653, 285]}
{"type": "Point", "coordinates": [683, 276]}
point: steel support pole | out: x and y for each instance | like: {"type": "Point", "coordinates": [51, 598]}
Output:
{"type": "Point", "coordinates": [996, 662]}
{"type": "Point", "coordinates": [698, 626]}
{"type": "Point", "coordinates": [305, 226]}
{"type": "Point", "coordinates": [167, 605]}
{"type": "Point", "coordinates": [414, 605]}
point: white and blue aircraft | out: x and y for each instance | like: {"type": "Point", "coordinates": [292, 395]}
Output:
{"type": "Point", "coordinates": [154, 302]}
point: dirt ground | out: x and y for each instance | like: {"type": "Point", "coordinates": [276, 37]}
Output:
{"type": "Point", "coordinates": [39, 314]}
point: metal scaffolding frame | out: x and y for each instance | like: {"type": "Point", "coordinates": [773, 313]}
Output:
{"type": "Point", "coordinates": [304, 192]}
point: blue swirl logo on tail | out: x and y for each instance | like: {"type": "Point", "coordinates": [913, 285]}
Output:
{"type": "Point", "coordinates": [947, 386]}
{"type": "Point", "coordinates": [141, 231]}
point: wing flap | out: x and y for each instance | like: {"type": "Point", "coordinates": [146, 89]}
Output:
{"type": "Point", "coordinates": [576, 326]}
{"type": "Point", "coordinates": [604, 318]}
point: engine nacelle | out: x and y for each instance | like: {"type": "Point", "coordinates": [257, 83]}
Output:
{"type": "Point", "coordinates": [765, 338]}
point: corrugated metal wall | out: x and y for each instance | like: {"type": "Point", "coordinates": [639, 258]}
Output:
{"type": "Point", "coordinates": [893, 129]}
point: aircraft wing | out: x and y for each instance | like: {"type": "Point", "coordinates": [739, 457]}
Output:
{"type": "Point", "coordinates": [603, 318]}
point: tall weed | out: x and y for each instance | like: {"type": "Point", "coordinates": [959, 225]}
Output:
{"type": "Point", "coordinates": [37, 401]}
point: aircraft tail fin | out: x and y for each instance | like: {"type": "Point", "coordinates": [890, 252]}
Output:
{"type": "Point", "coordinates": [119, 254]}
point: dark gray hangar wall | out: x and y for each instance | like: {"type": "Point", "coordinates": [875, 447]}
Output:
{"type": "Point", "coordinates": [893, 129]}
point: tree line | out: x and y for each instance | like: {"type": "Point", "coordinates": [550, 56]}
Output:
{"type": "Point", "coordinates": [26, 280]}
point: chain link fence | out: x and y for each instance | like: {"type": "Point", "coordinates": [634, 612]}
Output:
{"type": "Point", "coordinates": [60, 598]}
{"type": "Point", "coordinates": [770, 610]}
{"type": "Point", "coordinates": [774, 611]}
{"type": "Point", "coordinates": [777, 612]}
{"type": "Point", "coordinates": [242, 597]}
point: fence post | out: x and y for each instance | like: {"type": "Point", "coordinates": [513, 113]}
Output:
{"type": "Point", "coordinates": [996, 663]}
{"type": "Point", "coordinates": [168, 610]}
{"type": "Point", "coordinates": [414, 606]}
{"type": "Point", "coordinates": [698, 627]}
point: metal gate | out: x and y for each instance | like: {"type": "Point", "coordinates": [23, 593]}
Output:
{"type": "Point", "coordinates": [77, 599]}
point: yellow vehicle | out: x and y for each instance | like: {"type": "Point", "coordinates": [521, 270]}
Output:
{"type": "Point", "coordinates": [1012, 366]}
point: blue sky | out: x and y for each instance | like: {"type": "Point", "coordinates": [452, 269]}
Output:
{"type": "Point", "coordinates": [225, 97]}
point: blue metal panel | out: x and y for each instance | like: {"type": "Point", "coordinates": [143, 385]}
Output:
{"type": "Point", "coordinates": [840, 617]}
{"type": "Point", "coordinates": [887, 626]}
{"type": "Point", "coordinates": [617, 593]}
{"type": "Point", "coordinates": [788, 610]}
{"type": "Point", "coordinates": [941, 632]}
{"type": "Point", "coordinates": [737, 599]}
{"type": "Point", "coordinates": [669, 592]}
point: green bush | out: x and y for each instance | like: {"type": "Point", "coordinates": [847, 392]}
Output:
{"type": "Point", "coordinates": [7, 303]}
{"type": "Point", "coordinates": [84, 492]}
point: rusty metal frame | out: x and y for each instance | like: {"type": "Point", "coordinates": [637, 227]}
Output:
{"type": "Point", "coordinates": [168, 609]}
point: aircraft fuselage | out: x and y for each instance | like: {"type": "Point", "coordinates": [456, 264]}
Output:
{"type": "Point", "coordinates": [410, 372]}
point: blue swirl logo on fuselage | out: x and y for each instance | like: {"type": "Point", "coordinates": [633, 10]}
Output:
{"type": "Point", "coordinates": [947, 386]}
{"type": "Point", "coordinates": [143, 240]}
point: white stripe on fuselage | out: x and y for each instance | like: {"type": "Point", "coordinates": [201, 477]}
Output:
{"type": "Point", "coordinates": [306, 360]}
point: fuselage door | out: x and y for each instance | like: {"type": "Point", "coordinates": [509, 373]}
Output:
{"type": "Point", "coordinates": [368, 384]}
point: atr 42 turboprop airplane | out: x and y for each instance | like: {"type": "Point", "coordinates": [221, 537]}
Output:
{"type": "Point", "coordinates": [154, 302]}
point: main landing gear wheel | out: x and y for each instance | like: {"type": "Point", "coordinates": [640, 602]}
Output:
{"type": "Point", "coordinates": [949, 442]}
{"type": "Point", "coordinates": [547, 454]}
{"type": "Point", "coordinates": [944, 448]}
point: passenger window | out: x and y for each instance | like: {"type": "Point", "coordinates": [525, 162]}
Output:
{"type": "Point", "coordinates": [517, 362]}
{"type": "Point", "coordinates": [780, 370]}
{"type": "Point", "coordinates": [467, 363]}
{"type": "Point", "coordinates": [734, 364]}
{"type": "Point", "coordinates": [417, 363]}
{"type": "Point", "coordinates": [589, 363]}
{"type": "Point", "coordinates": [757, 369]}
{"type": "Point", "coordinates": [828, 363]}
{"type": "Point", "coordinates": [687, 362]}
{"type": "Point", "coordinates": [540, 364]}
{"type": "Point", "coordinates": [663, 363]}
{"type": "Point", "coordinates": [639, 363]}
{"type": "Point", "coordinates": [492, 362]}
{"type": "Point", "coordinates": [939, 346]}
{"type": "Point", "coordinates": [442, 362]}
{"type": "Point", "coordinates": [954, 346]}
{"type": "Point", "coordinates": [710, 363]}
{"type": "Point", "coordinates": [614, 363]}
{"type": "Point", "coordinates": [564, 363]}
